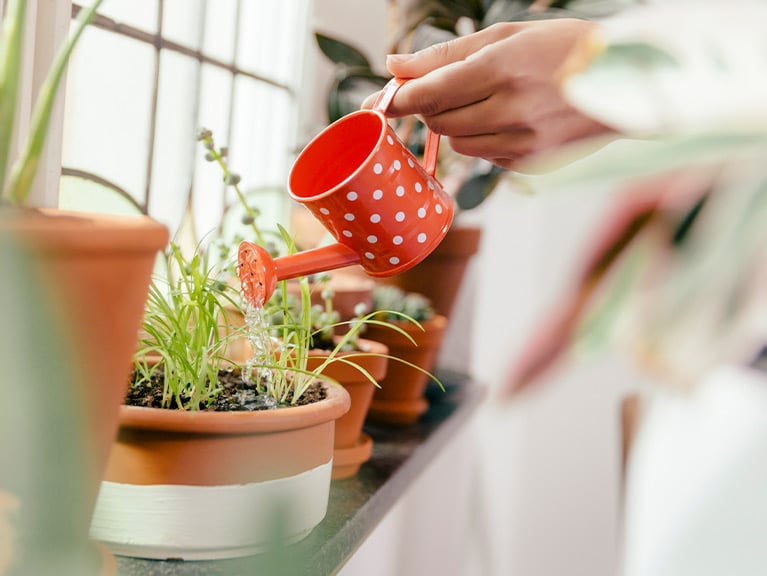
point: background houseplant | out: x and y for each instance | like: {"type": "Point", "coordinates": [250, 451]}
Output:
{"type": "Point", "coordinates": [87, 263]}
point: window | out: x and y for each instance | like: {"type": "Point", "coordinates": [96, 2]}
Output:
{"type": "Point", "coordinates": [147, 75]}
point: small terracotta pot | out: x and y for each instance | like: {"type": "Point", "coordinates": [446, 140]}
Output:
{"type": "Point", "coordinates": [352, 447]}
{"type": "Point", "coordinates": [400, 400]}
{"type": "Point", "coordinates": [440, 275]}
{"type": "Point", "coordinates": [205, 485]}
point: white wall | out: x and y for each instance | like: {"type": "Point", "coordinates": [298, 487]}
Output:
{"type": "Point", "coordinates": [530, 488]}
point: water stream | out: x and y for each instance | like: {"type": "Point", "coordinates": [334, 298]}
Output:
{"type": "Point", "coordinates": [255, 371]}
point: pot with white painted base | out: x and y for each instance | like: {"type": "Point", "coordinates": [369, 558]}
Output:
{"type": "Point", "coordinates": [206, 485]}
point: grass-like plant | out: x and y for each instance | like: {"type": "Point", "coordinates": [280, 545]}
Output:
{"type": "Point", "coordinates": [184, 332]}
{"type": "Point", "coordinates": [16, 183]}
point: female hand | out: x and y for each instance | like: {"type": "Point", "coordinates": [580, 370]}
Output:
{"type": "Point", "coordinates": [496, 93]}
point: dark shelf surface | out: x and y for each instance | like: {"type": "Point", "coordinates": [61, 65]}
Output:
{"type": "Point", "coordinates": [356, 504]}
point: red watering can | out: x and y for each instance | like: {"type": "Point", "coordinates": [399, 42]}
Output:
{"type": "Point", "coordinates": [386, 211]}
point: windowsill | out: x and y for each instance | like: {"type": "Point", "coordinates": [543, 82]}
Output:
{"type": "Point", "coordinates": [357, 504]}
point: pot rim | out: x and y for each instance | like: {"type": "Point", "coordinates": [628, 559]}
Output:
{"type": "Point", "coordinates": [89, 232]}
{"type": "Point", "coordinates": [335, 405]}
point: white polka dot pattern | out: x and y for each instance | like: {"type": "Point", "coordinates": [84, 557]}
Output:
{"type": "Point", "coordinates": [390, 211]}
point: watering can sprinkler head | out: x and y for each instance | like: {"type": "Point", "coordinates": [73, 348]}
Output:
{"type": "Point", "coordinates": [259, 272]}
{"type": "Point", "coordinates": [256, 270]}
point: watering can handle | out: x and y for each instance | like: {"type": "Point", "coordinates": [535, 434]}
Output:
{"type": "Point", "coordinates": [382, 104]}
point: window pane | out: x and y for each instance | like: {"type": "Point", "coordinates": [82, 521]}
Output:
{"type": "Point", "coordinates": [262, 132]}
{"type": "Point", "coordinates": [268, 38]}
{"type": "Point", "coordinates": [111, 126]}
{"type": "Point", "coordinates": [220, 19]}
{"type": "Point", "coordinates": [182, 20]}
{"type": "Point", "coordinates": [175, 131]}
{"type": "Point", "coordinates": [142, 15]}
{"type": "Point", "coordinates": [215, 95]}
{"type": "Point", "coordinates": [108, 110]}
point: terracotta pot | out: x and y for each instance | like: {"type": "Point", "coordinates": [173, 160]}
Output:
{"type": "Point", "coordinates": [352, 447]}
{"type": "Point", "coordinates": [98, 268]}
{"type": "Point", "coordinates": [205, 485]}
{"type": "Point", "coordinates": [440, 276]}
{"type": "Point", "coordinates": [400, 400]}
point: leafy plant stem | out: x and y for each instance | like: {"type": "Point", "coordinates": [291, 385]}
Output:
{"type": "Point", "coordinates": [24, 170]}
{"type": "Point", "coordinates": [10, 65]}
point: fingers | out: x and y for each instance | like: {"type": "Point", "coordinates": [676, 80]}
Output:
{"type": "Point", "coordinates": [504, 149]}
{"type": "Point", "coordinates": [503, 110]}
{"type": "Point", "coordinates": [429, 59]}
{"type": "Point", "coordinates": [452, 74]}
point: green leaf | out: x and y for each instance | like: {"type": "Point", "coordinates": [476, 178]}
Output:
{"type": "Point", "coordinates": [11, 42]}
{"type": "Point", "coordinates": [340, 52]}
{"type": "Point", "coordinates": [43, 456]}
{"type": "Point", "coordinates": [638, 54]}
{"type": "Point", "coordinates": [477, 188]}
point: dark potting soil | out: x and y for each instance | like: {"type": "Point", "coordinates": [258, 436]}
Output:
{"type": "Point", "coordinates": [235, 394]}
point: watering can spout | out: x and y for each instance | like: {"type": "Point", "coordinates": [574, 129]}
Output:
{"type": "Point", "coordinates": [259, 272]}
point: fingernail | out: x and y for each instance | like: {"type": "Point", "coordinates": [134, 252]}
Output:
{"type": "Point", "coordinates": [398, 58]}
